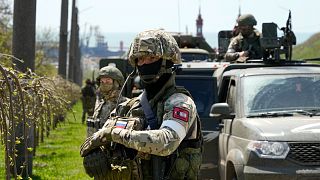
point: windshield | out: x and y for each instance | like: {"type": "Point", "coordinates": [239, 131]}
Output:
{"type": "Point", "coordinates": [271, 93]}
{"type": "Point", "coordinates": [187, 57]}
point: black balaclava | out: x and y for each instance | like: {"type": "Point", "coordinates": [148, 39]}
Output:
{"type": "Point", "coordinates": [151, 80]}
{"type": "Point", "coordinates": [148, 72]}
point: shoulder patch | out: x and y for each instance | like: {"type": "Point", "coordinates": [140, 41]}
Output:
{"type": "Point", "coordinates": [181, 114]}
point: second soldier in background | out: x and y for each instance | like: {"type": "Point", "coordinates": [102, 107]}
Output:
{"type": "Point", "coordinates": [246, 44]}
{"type": "Point", "coordinates": [110, 80]}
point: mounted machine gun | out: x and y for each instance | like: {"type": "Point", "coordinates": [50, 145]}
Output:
{"type": "Point", "coordinates": [274, 46]}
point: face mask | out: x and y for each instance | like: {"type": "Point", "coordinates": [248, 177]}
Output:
{"type": "Point", "coordinates": [105, 88]}
{"type": "Point", "coordinates": [149, 71]}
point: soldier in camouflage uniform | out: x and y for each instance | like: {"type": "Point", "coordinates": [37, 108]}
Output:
{"type": "Point", "coordinates": [88, 99]}
{"type": "Point", "coordinates": [246, 44]}
{"type": "Point", "coordinates": [110, 81]}
{"type": "Point", "coordinates": [169, 146]}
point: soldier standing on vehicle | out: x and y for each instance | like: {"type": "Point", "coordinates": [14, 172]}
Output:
{"type": "Point", "coordinates": [246, 44]}
{"type": "Point", "coordinates": [110, 81]}
{"type": "Point", "coordinates": [169, 144]}
{"type": "Point", "coordinates": [88, 99]}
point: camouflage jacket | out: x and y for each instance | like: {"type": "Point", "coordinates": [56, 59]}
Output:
{"type": "Point", "coordinates": [177, 120]}
{"type": "Point", "coordinates": [239, 44]}
{"type": "Point", "coordinates": [104, 107]}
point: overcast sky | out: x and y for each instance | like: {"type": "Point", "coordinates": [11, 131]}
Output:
{"type": "Point", "coordinates": [179, 15]}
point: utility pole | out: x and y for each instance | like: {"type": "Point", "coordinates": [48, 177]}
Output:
{"type": "Point", "coordinates": [72, 44]}
{"type": "Point", "coordinates": [74, 51]}
{"type": "Point", "coordinates": [63, 43]}
{"type": "Point", "coordinates": [23, 47]}
{"type": "Point", "coordinates": [24, 30]}
{"type": "Point", "coordinates": [78, 59]}
{"type": "Point", "coordinates": [77, 72]}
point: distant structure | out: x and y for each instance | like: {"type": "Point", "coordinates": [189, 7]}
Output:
{"type": "Point", "coordinates": [198, 41]}
{"type": "Point", "coordinates": [121, 46]}
{"type": "Point", "coordinates": [199, 24]}
{"type": "Point", "coordinates": [101, 48]}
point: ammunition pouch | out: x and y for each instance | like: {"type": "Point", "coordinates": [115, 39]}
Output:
{"type": "Point", "coordinates": [186, 160]}
{"type": "Point", "coordinates": [186, 164]}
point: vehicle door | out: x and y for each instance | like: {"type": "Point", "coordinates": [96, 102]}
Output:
{"type": "Point", "coordinates": [227, 95]}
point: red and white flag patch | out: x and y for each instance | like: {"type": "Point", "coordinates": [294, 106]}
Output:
{"type": "Point", "coordinates": [181, 114]}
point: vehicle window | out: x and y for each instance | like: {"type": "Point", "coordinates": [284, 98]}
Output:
{"type": "Point", "coordinates": [280, 92]}
{"type": "Point", "coordinates": [231, 96]}
{"type": "Point", "coordinates": [202, 91]}
{"type": "Point", "coordinates": [187, 57]}
{"type": "Point", "coordinates": [224, 89]}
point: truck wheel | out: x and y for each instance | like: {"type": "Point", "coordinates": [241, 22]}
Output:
{"type": "Point", "coordinates": [231, 173]}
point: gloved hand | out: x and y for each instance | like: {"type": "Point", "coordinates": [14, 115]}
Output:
{"type": "Point", "coordinates": [99, 138]}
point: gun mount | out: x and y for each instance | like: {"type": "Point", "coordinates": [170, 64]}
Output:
{"type": "Point", "coordinates": [274, 46]}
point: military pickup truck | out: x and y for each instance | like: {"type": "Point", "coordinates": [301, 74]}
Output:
{"type": "Point", "coordinates": [269, 115]}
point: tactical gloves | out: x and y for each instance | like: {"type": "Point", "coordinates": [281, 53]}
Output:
{"type": "Point", "coordinates": [99, 138]}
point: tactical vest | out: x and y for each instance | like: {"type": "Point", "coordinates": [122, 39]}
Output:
{"type": "Point", "coordinates": [191, 146]}
{"type": "Point", "coordinates": [251, 44]}
{"type": "Point", "coordinates": [119, 162]}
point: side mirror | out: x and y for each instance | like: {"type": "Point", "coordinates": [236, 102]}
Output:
{"type": "Point", "coordinates": [220, 111]}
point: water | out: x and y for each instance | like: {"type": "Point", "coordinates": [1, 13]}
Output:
{"type": "Point", "coordinates": [114, 39]}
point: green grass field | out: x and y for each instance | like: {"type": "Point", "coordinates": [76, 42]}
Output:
{"type": "Point", "coordinates": [58, 156]}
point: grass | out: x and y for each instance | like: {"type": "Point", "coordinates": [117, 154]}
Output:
{"type": "Point", "coordinates": [58, 156]}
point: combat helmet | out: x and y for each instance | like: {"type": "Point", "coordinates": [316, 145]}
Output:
{"type": "Point", "coordinates": [112, 72]}
{"type": "Point", "coordinates": [156, 43]}
{"type": "Point", "coordinates": [159, 45]}
{"type": "Point", "coordinates": [247, 20]}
